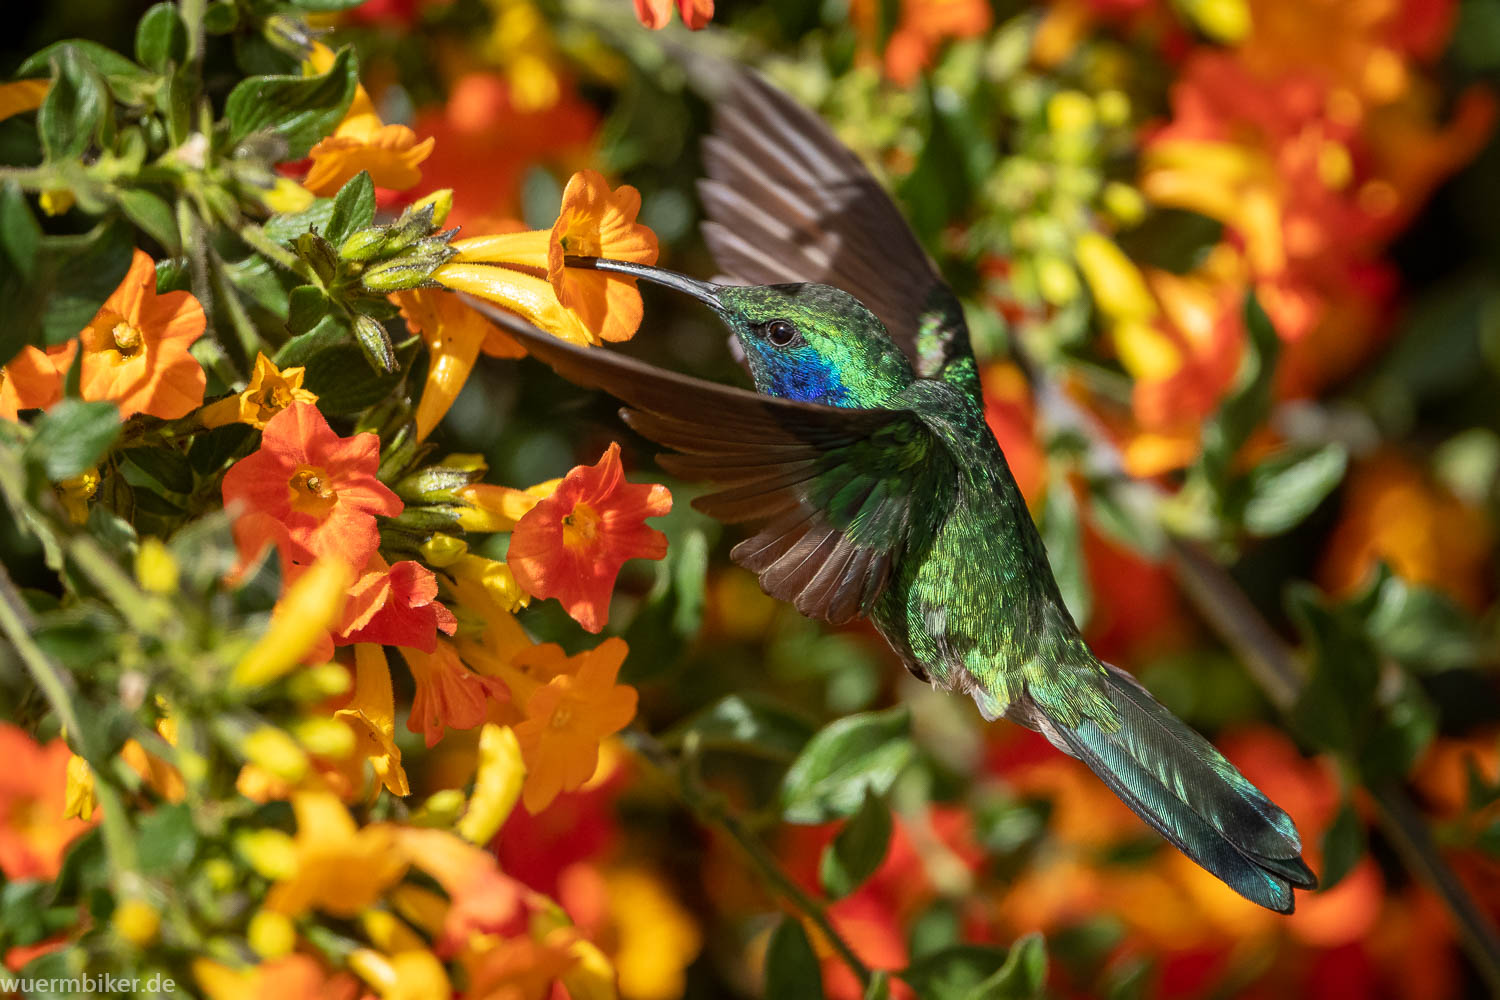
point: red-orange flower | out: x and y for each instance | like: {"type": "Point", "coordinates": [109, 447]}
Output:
{"type": "Point", "coordinates": [657, 14]}
{"type": "Point", "coordinates": [567, 717]}
{"type": "Point", "coordinates": [572, 544]}
{"type": "Point", "coordinates": [34, 378]}
{"type": "Point", "coordinates": [396, 606]}
{"type": "Point", "coordinates": [33, 833]}
{"type": "Point", "coordinates": [135, 349]}
{"type": "Point", "coordinates": [309, 491]}
{"type": "Point", "coordinates": [448, 693]}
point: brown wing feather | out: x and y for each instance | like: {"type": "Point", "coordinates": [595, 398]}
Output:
{"type": "Point", "coordinates": [764, 453]}
{"type": "Point", "coordinates": [787, 201]}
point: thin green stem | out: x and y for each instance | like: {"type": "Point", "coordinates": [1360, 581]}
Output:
{"type": "Point", "coordinates": [712, 809]}
{"type": "Point", "coordinates": [268, 248]}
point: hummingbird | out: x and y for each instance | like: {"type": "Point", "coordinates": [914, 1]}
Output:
{"type": "Point", "coordinates": [875, 485]}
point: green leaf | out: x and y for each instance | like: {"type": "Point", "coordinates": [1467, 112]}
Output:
{"type": "Point", "coordinates": [830, 777]}
{"type": "Point", "coordinates": [287, 227]}
{"type": "Point", "coordinates": [169, 469]}
{"type": "Point", "coordinates": [153, 215]}
{"type": "Point", "coordinates": [127, 81]}
{"type": "Point", "coordinates": [72, 115]}
{"type": "Point", "coordinates": [342, 381]}
{"type": "Point", "coordinates": [306, 306]}
{"type": "Point", "coordinates": [353, 209]}
{"type": "Point", "coordinates": [1336, 707]}
{"type": "Point", "coordinates": [1063, 535]}
{"type": "Point", "coordinates": [792, 969]}
{"type": "Point", "coordinates": [1343, 846]}
{"type": "Point", "coordinates": [1289, 485]}
{"type": "Point", "coordinates": [20, 236]}
{"type": "Point", "coordinates": [167, 840]}
{"type": "Point", "coordinates": [160, 38]}
{"type": "Point", "coordinates": [299, 109]}
{"type": "Point", "coordinates": [71, 438]}
{"type": "Point", "coordinates": [748, 722]}
{"type": "Point", "coordinates": [1021, 977]}
{"type": "Point", "coordinates": [221, 17]}
{"type": "Point", "coordinates": [326, 6]}
{"type": "Point", "coordinates": [329, 332]}
{"type": "Point", "coordinates": [858, 849]}
{"type": "Point", "coordinates": [1172, 239]}
{"type": "Point", "coordinates": [953, 973]}
{"type": "Point", "coordinates": [1422, 627]}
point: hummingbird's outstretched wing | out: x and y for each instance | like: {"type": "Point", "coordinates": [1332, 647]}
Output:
{"type": "Point", "coordinates": [835, 488]}
{"type": "Point", "coordinates": [787, 201]}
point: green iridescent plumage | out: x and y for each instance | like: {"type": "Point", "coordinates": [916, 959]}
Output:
{"type": "Point", "coordinates": [879, 490]}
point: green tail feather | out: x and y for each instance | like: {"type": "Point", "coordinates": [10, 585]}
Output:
{"type": "Point", "coordinates": [1178, 783]}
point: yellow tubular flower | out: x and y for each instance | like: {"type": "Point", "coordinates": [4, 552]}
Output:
{"type": "Point", "coordinates": [525, 295]}
{"type": "Point", "coordinates": [22, 96]}
{"type": "Point", "coordinates": [78, 800]}
{"type": "Point", "coordinates": [340, 869]}
{"type": "Point", "coordinates": [408, 975]}
{"type": "Point", "coordinates": [371, 714]}
{"type": "Point", "coordinates": [498, 508]}
{"type": "Point", "coordinates": [591, 977]}
{"type": "Point", "coordinates": [455, 334]}
{"type": "Point", "coordinates": [300, 620]}
{"type": "Point", "coordinates": [1118, 287]}
{"type": "Point", "coordinates": [269, 391]}
{"type": "Point", "coordinates": [497, 784]}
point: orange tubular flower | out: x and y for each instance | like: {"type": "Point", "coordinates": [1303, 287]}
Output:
{"type": "Point", "coordinates": [571, 545]}
{"type": "Point", "coordinates": [448, 693]}
{"type": "Point", "coordinates": [396, 606]}
{"type": "Point", "coordinates": [22, 96]}
{"type": "Point", "coordinates": [484, 899]}
{"type": "Point", "coordinates": [567, 717]}
{"type": "Point", "coordinates": [293, 977]}
{"type": "Point", "coordinates": [34, 378]}
{"type": "Point", "coordinates": [270, 391]}
{"type": "Point", "coordinates": [135, 349]}
{"type": "Point", "coordinates": [593, 221]}
{"type": "Point", "coordinates": [390, 153]}
{"type": "Point", "coordinates": [309, 491]}
{"type": "Point", "coordinates": [371, 715]}
{"type": "Point", "coordinates": [33, 792]}
{"type": "Point", "coordinates": [455, 335]}
{"type": "Point", "coordinates": [657, 14]}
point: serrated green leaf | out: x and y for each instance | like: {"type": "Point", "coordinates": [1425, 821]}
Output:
{"type": "Point", "coordinates": [792, 969]}
{"type": "Point", "coordinates": [72, 116]}
{"type": "Point", "coordinates": [299, 109]}
{"type": "Point", "coordinates": [128, 82]}
{"type": "Point", "coordinates": [153, 215]}
{"type": "Point", "coordinates": [1287, 486]}
{"type": "Point", "coordinates": [858, 850]}
{"type": "Point", "coordinates": [1343, 846]}
{"type": "Point", "coordinates": [71, 437]}
{"type": "Point", "coordinates": [831, 775]}
{"type": "Point", "coordinates": [160, 37]}
{"type": "Point", "coordinates": [353, 209]}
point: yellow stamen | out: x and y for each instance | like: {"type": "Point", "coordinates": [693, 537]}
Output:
{"type": "Point", "coordinates": [581, 527]}
{"type": "Point", "coordinates": [312, 493]}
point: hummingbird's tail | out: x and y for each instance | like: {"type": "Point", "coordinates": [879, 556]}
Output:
{"type": "Point", "coordinates": [1189, 793]}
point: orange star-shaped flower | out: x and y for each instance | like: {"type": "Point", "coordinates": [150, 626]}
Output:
{"type": "Point", "coordinates": [309, 491]}
{"type": "Point", "coordinates": [657, 14]}
{"type": "Point", "coordinates": [572, 544]}
{"type": "Point", "coordinates": [135, 349]}
{"type": "Point", "coordinates": [448, 693]}
{"type": "Point", "coordinates": [33, 787]}
{"type": "Point", "coordinates": [567, 717]}
{"type": "Point", "coordinates": [34, 378]}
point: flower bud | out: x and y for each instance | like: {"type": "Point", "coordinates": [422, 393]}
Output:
{"type": "Point", "coordinates": [365, 244]}
{"type": "Point", "coordinates": [326, 737]}
{"type": "Point", "coordinates": [319, 255]}
{"type": "Point", "coordinates": [425, 520]}
{"type": "Point", "coordinates": [137, 921]}
{"type": "Point", "coordinates": [441, 809]}
{"type": "Point", "coordinates": [276, 752]}
{"type": "Point", "coordinates": [435, 484]}
{"type": "Point", "coordinates": [441, 202]}
{"type": "Point", "coordinates": [403, 273]}
{"type": "Point", "coordinates": [271, 934]}
{"type": "Point", "coordinates": [376, 344]}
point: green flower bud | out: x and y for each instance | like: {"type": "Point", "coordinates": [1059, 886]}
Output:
{"type": "Point", "coordinates": [403, 273]}
{"type": "Point", "coordinates": [435, 484]}
{"type": "Point", "coordinates": [319, 255]}
{"type": "Point", "coordinates": [376, 344]}
{"type": "Point", "coordinates": [366, 244]}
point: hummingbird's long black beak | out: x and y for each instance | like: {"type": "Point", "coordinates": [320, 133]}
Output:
{"type": "Point", "coordinates": [704, 291]}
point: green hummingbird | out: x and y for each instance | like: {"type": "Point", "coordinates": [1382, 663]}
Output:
{"type": "Point", "coordinates": [878, 490]}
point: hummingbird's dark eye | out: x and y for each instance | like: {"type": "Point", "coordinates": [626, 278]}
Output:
{"type": "Point", "coordinates": [781, 333]}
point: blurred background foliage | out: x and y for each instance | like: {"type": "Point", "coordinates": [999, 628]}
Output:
{"type": "Point", "coordinates": [1102, 181]}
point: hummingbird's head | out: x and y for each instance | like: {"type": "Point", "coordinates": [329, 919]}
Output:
{"type": "Point", "coordinates": [803, 341]}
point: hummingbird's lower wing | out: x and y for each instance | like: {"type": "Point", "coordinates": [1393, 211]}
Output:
{"type": "Point", "coordinates": [833, 488]}
{"type": "Point", "coordinates": [787, 202]}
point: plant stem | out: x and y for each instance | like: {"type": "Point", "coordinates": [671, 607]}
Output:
{"type": "Point", "coordinates": [711, 809]}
